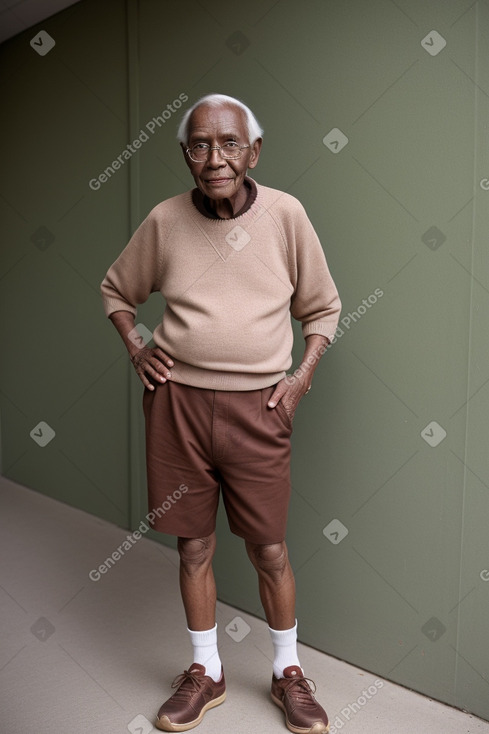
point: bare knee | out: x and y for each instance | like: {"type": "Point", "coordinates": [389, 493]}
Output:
{"type": "Point", "coordinates": [269, 560]}
{"type": "Point", "coordinates": [196, 553]}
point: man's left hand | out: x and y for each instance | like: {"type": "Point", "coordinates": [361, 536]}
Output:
{"type": "Point", "coordinates": [290, 390]}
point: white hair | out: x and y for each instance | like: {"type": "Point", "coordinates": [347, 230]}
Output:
{"type": "Point", "coordinates": [220, 100]}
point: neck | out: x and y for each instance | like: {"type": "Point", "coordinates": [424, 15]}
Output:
{"type": "Point", "coordinates": [227, 208]}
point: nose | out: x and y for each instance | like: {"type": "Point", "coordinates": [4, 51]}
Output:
{"type": "Point", "coordinates": [214, 159]}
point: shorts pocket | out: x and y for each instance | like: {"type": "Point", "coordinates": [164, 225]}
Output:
{"type": "Point", "coordinates": [284, 416]}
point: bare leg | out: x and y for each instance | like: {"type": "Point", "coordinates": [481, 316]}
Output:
{"type": "Point", "coordinates": [276, 583]}
{"type": "Point", "coordinates": [197, 583]}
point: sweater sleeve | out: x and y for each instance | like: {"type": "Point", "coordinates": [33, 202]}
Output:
{"type": "Point", "coordinates": [315, 301]}
{"type": "Point", "coordinates": [136, 272]}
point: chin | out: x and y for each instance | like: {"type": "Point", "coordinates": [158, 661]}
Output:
{"type": "Point", "coordinates": [220, 192]}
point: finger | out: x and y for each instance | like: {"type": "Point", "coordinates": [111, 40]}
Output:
{"type": "Point", "coordinates": [158, 369]}
{"type": "Point", "coordinates": [163, 357]}
{"type": "Point", "coordinates": [142, 365]}
{"type": "Point", "coordinates": [277, 395]}
{"type": "Point", "coordinates": [145, 380]}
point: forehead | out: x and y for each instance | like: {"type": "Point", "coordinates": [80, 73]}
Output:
{"type": "Point", "coordinates": [217, 121]}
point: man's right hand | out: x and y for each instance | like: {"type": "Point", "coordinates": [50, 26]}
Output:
{"type": "Point", "coordinates": [147, 361]}
{"type": "Point", "coordinates": [152, 362]}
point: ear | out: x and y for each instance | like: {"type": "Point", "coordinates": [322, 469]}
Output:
{"type": "Point", "coordinates": [255, 152]}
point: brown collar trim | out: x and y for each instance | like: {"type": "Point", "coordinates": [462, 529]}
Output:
{"type": "Point", "coordinates": [202, 203]}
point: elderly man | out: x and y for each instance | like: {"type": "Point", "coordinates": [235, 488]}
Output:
{"type": "Point", "coordinates": [233, 260]}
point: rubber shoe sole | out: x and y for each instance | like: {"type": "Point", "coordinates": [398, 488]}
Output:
{"type": "Point", "coordinates": [164, 724]}
{"type": "Point", "coordinates": [317, 728]}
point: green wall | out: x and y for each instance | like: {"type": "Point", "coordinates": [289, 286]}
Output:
{"type": "Point", "coordinates": [402, 211]}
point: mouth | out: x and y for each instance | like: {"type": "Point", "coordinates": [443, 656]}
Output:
{"type": "Point", "coordinates": [217, 181]}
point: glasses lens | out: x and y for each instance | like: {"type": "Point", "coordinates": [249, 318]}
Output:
{"type": "Point", "coordinates": [230, 150]}
{"type": "Point", "coordinates": [199, 152]}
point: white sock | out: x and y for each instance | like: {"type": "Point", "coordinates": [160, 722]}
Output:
{"type": "Point", "coordinates": [205, 651]}
{"type": "Point", "coordinates": [285, 649]}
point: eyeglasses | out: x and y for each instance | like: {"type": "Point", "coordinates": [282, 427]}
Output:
{"type": "Point", "coordinates": [201, 151]}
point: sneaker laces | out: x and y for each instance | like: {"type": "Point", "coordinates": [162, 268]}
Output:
{"type": "Point", "coordinates": [186, 684]}
{"type": "Point", "coordinates": [300, 689]}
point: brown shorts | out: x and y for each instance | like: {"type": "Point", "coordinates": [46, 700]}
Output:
{"type": "Point", "coordinates": [199, 441]}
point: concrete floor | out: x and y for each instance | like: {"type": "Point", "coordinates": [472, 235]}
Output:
{"type": "Point", "coordinates": [81, 655]}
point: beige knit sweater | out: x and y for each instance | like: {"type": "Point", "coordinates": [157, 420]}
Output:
{"type": "Point", "coordinates": [230, 287]}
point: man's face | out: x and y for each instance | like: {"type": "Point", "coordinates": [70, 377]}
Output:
{"type": "Point", "coordinates": [217, 177]}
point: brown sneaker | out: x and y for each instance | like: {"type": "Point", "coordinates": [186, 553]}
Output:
{"type": "Point", "coordinates": [196, 693]}
{"type": "Point", "coordinates": [303, 714]}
